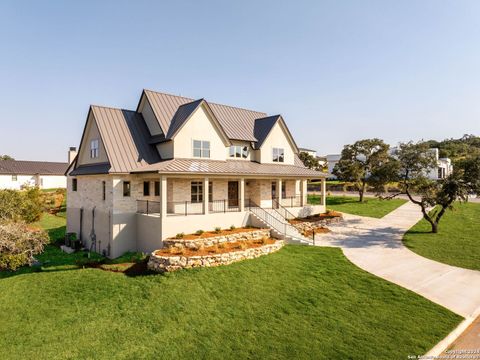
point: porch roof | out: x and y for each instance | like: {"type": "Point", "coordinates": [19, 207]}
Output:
{"type": "Point", "coordinates": [233, 167]}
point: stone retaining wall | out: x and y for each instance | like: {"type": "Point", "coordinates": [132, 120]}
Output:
{"type": "Point", "coordinates": [195, 244]}
{"type": "Point", "coordinates": [171, 263]}
{"type": "Point", "coordinates": [307, 225]}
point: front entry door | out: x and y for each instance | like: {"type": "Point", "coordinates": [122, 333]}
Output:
{"type": "Point", "coordinates": [233, 194]}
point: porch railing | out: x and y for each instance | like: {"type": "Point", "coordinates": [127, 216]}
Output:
{"type": "Point", "coordinates": [291, 201]}
{"type": "Point", "coordinates": [185, 208]}
{"type": "Point", "coordinates": [224, 206]}
{"type": "Point", "coordinates": [148, 207]}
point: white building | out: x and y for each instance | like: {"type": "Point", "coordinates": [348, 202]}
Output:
{"type": "Point", "coordinates": [46, 175]}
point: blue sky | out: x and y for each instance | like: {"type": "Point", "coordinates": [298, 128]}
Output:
{"type": "Point", "coordinates": [338, 71]}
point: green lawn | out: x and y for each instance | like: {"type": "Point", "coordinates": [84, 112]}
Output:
{"type": "Point", "coordinates": [372, 207]}
{"type": "Point", "coordinates": [302, 302]}
{"type": "Point", "coordinates": [457, 241]}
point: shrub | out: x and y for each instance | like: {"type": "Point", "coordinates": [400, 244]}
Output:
{"type": "Point", "coordinates": [18, 244]}
{"type": "Point", "coordinates": [232, 227]}
{"type": "Point", "coordinates": [199, 232]}
{"type": "Point", "coordinates": [218, 229]}
{"type": "Point", "coordinates": [222, 245]}
{"type": "Point", "coordinates": [264, 240]}
{"type": "Point", "coordinates": [180, 235]}
{"type": "Point", "coordinates": [21, 205]}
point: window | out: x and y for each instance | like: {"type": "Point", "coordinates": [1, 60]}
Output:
{"type": "Point", "coordinates": [126, 188]}
{"type": "Point", "coordinates": [157, 188]}
{"type": "Point", "coordinates": [278, 155]}
{"type": "Point", "coordinates": [104, 190]}
{"type": "Point", "coordinates": [210, 191]}
{"type": "Point", "coordinates": [239, 151]}
{"type": "Point", "coordinates": [74, 184]}
{"type": "Point", "coordinates": [94, 149]}
{"type": "Point", "coordinates": [201, 148]}
{"type": "Point", "coordinates": [14, 177]}
{"type": "Point", "coordinates": [146, 188]}
{"type": "Point", "coordinates": [197, 192]}
{"type": "Point", "coordinates": [284, 189]}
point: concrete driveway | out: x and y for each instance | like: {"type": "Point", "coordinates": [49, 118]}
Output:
{"type": "Point", "coordinates": [375, 245]}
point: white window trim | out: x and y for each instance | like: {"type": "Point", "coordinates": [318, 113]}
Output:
{"type": "Point", "coordinates": [277, 149]}
{"type": "Point", "coordinates": [202, 149]}
{"type": "Point", "coordinates": [94, 148]}
{"type": "Point", "coordinates": [241, 153]}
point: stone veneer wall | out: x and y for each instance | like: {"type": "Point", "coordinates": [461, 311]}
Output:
{"type": "Point", "coordinates": [195, 244]}
{"type": "Point", "coordinates": [172, 263]}
{"type": "Point", "coordinates": [306, 225]}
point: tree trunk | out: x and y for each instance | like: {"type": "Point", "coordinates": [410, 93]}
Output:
{"type": "Point", "coordinates": [361, 192]}
{"type": "Point", "coordinates": [434, 227]}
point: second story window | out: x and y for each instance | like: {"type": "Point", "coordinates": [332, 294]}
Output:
{"type": "Point", "coordinates": [278, 155]}
{"type": "Point", "coordinates": [201, 148]}
{"type": "Point", "coordinates": [238, 151]}
{"type": "Point", "coordinates": [94, 149]}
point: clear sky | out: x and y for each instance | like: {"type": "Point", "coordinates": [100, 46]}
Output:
{"type": "Point", "coordinates": [337, 71]}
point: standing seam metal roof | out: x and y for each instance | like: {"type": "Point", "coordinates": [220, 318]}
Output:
{"type": "Point", "coordinates": [21, 167]}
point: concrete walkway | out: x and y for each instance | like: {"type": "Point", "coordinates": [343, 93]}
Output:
{"type": "Point", "coordinates": [375, 245]}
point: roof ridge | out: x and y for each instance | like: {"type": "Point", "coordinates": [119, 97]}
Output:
{"type": "Point", "coordinates": [210, 102]}
{"type": "Point", "coordinates": [112, 108]}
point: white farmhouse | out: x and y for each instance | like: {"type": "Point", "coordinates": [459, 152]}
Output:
{"type": "Point", "coordinates": [177, 165]}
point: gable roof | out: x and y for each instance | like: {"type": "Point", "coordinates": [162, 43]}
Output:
{"type": "Point", "coordinates": [125, 137]}
{"type": "Point", "coordinates": [264, 126]}
{"type": "Point", "coordinates": [20, 167]}
{"type": "Point", "coordinates": [237, 123]}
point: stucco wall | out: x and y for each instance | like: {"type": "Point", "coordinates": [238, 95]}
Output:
{"type": "Point", "coordinates": [91, 133]}
{"type": "Point", "coordinates": [42, 181]}
{"type": "Point", "coordinates": [149, 116]}
{"type": "Point", "coordinates": [199, 127]}
{"type": "Point", "coordinates": [52, 181]}
{"type": "Point", "coordinates": [6, 181]}
{"type": "Point", "coordinates": [149, 236]}
{"type": "Point", "coordinates": [277, 139]}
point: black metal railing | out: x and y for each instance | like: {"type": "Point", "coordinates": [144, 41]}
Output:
{"type": "Point", "coordinates": [284, 213]}
{"type": "Point", "coordinates": [224, 206]}
{"type": "Point", "coordinates": [148, 207]}
{"type": "Point", "coordinates": [291, 201]}
{"type": "Point", "coordinates": [185, 208]}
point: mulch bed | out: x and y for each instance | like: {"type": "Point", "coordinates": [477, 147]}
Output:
{"type": "Point", "coordinates": [318, 230]}
{"type": "Point", "coordinates": [208, 234]}
{"type": "Point", "coordinates": [317, 217]}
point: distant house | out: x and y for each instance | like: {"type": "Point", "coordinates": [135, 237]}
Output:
{"type": "Point", "coordinates": [46, 175]}
{"type": "Point", "coordinates": [443, 169]}
{"type": "Point", "coordinates": [308, 151]}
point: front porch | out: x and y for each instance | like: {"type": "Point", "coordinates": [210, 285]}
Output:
{"type": "Point", "coordinates": [180, 196]}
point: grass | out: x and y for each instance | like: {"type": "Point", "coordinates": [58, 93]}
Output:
{"type": "Point", "coordinates": [457, 242]}
{"type": "Point", "coordinates": [371, 207]}
{"type": "Point", "coordinates": [301, 302]}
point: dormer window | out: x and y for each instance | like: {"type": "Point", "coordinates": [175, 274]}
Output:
{"type": "Point", "coordinates": [278, 155]}
{"type": "Point", "coordinates": [201, 148]}
{"type": "Point", "coordinates": [238, 151]}
{"type": "Point", "coordinates": [94, 149]}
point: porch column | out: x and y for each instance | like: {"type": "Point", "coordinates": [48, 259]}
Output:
{"type": "Point", "coordinates": [205, 195]}
{"type": "Point", "coordinates": [163, 196]}
{"type": "Point", "coordinates": [303, 188]}
{"type": "Point", "coordinates": [279, 191]}
{"type": "Point", "coordinates": [324, 192]}
{"type": "Point", "coordinates": [242, 194]}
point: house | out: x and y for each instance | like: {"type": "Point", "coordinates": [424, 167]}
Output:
{"type": "Point", "coordinates": [46, 175]}
{"type": "Point", "coordinates": [443, 169]}
{"type": "Point", "coordinates": [308, 151]}
{"type": "Point", "coordinates": [177, 165]}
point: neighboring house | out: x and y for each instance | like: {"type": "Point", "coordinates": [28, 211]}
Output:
{"type": "Point", "coordinates": [46, 175]}
{"type": "Point", "coordinates": [179, 165]}
{"type": "Point", "coordinates": [443, 169]}
{"type": "Point", "coordinates": [308, 151]}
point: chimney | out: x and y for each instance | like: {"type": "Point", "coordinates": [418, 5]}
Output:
{"type": "Point", "coordinates": [72, 152]}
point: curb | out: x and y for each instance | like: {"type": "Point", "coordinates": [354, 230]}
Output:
{"type": "Point", "coordinates": [454, 335]}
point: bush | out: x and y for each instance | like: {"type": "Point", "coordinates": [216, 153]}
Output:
{"type": "Point", "coordinates": [21, 205]}
{"type": "Point", "coordinates": [232, 227]}
{"type": "Point", "coordinates": [179, 236]}
{"type": "Point", "coordinates": [199, 232]}
{"type": "Point", "coordinates": [18, 244]}
{"type": "Point", "coordinates": [218, 229]}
